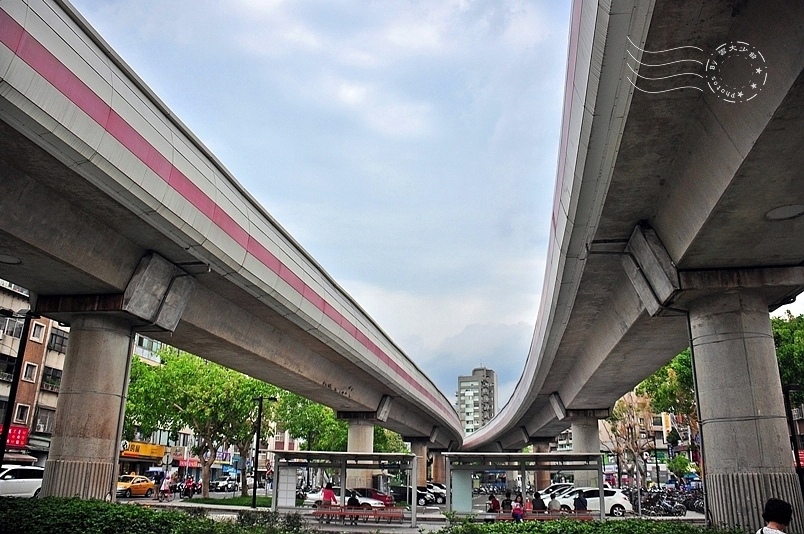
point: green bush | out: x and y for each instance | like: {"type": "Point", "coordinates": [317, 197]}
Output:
{"type": "Point", "coordinates": [75, 516]}
{"type": "Point", "coordinates": [568, 526]}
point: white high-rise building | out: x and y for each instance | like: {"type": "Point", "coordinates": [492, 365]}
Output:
{"type": "Point", "coordinates": [477, 398]}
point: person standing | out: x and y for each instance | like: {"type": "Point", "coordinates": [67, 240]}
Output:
{"type": "Point", "coordinates": [328, 497]}
{"type": "Point", "coordinates": [777, 514]}
{"type": "Point", "coordinates": [579, 503]}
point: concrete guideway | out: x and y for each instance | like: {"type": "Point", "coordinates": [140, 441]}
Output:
{"type": "Point", "coordinates": [123, 221]}
{"type": "Point", "coordinates": [674, 224]}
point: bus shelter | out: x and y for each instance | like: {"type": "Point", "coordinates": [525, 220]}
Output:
{"type": "Point", "coordinates": [287, 463]}
{"type": "Point", "coordinates": [461, 465]}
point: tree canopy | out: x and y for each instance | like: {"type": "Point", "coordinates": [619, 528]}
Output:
{"type": "Point", "coordinates": [788, 336]}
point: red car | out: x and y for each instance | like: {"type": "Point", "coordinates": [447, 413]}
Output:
{"type": "Point", "coordinates": [371, 493]}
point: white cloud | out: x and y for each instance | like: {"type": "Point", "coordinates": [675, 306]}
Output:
{"type": "Point", "coordinates": [409, 146]}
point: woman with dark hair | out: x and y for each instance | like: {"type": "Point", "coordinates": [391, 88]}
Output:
{"type": "Point", "coordinates": [777, 515]}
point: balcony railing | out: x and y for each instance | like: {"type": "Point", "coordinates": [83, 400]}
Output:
{"type": "Point", "coordinates": [6, 377]}
{"type": "Point", "coordinates": [48, 386]}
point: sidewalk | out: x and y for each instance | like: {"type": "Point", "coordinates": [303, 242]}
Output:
{"type": "Point", "coordinates": [426, 521]}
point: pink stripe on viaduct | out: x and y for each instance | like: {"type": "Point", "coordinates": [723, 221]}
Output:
{"type": "Point", "coordinates": [40, 59]}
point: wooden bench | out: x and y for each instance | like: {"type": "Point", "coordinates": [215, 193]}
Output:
{"type": "Point", "coordinates": [389, 514]}
{"type": "Point", "coordinates": [343, 514]}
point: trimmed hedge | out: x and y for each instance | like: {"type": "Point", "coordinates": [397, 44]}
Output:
{"type": "Point", "coordinates": [53, 515]}
{"type": "Point", "coordinates": [75, 516]}
{"type": "Point", "coordinates": [569, 526]}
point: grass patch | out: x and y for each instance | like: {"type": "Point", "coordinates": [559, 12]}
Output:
{"type": "Point", "coordinates": [262, 502]}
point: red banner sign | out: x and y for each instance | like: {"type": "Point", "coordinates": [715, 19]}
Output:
{"type": "Point", "coordinates": [17, 436]}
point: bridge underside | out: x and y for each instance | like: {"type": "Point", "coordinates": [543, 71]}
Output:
{"type": "Point", "coordinates": [73, 239]}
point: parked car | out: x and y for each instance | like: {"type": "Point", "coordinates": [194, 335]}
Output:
{"type": "Point", "coordinates": [616, 503]}
{"type": "Point", "coordinates": [20, 480]}
{"type": "Point", "coordinates": [314, 499]}
{"type": "Point", "coordinates": [424, 496]}
{"type": "Point", "coordinates": [556, 487]}
{"type": "Point", "coordinates": [438, 492]}
{"type": "Point", "coordinates": [135, 485]}
{"type": "Point", "coordinates": [226, 483]}
{"type": "Point", "coordinates": [371, 493]}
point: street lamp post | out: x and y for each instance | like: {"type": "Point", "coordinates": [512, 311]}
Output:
{"type": "Point", "coordinates": [656, 459]}
{"type": "Point", "coordinates": [259, 400]}
{"type": "Point", "coordinates": [15, 380]}
{"type": "Point", "coordinates": [786, 389]}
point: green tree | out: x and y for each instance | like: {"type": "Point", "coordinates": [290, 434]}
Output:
{"type": "Point", "coordinates": [240, 429]}
{"type": "Point", "coordinates": [788, 336]}
{"type": "Point", "coordinates": [388, 441]}
{"type": "Point", "coordinates": [679, 466]}
{"type": "Point", "coordinates": [312, 423]}
{"type": "Point", "coordinates": [672, 389]}
{"type": "Point", "coordinates": [627, 433]}
{"type": "Point", "coordinates": [142, 413]}
{"type": "Point", "coordinates": [204, 397]}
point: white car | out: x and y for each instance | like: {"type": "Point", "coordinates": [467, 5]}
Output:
{"type": "Point", "coordinates": [226, 483]}
{"type": "Point", "coordinates": [20, 480]}
{"type": "Point", "coordinates": [556, 487]}
{"type": "Point", "coordinates": [616, 503]}
{"type": "Point", "coordinates": [315, 499]}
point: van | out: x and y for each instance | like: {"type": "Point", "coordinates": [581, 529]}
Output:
{"type": "Point", "coordinates": [20, 480]}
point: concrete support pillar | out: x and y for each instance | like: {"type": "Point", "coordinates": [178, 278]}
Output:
{"type": "Point", "coordinates": [360, 439]}
{"type": "Point", "coordinates": [586, 439]}
{"type": "Point", "coordinates": [419, 448]}
{"type": "Point", "coordinates": [86, 439]}
{"type": "Point", "coordinates": [746, 445]}
{"type": "Point", "coordinates": [543, 476]}
{"type": "Point", "coordinates": [439, 469]}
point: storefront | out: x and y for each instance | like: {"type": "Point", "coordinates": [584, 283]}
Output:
{"type": "Point", "coordinates": [138, 457]}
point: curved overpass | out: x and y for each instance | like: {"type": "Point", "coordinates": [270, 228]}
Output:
{"type": "Point", "coordinates": [694, 176]}
{"type": "Point", "coordinates": [99, 178]}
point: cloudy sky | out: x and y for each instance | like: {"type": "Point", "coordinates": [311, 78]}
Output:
{"type": "Point", "coordinates": [409, 145]}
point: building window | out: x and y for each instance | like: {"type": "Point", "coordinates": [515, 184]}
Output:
{"type": "Point", "coordinates": [7, 367]}
{"type": "Point", "coordinates": [51, 379]}
{"type": "Point", "coordinates": [21, 415]}
{"type": "Point", "coordinates": [58, 340]}
{"type": "Point", "coordinates": [29, 373]}
{"type": "Point", "coordinates": [45, 419]}
{"type": "Point", "coordinates": [3, 405]}
{"type": "Point", "coordinates": [12, 326]}
{"type": "Point", "coordinates": [37, 332]}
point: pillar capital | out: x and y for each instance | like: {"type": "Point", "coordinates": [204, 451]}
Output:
{"type": "Point", "coordinates": [156, 296]}
{"type": "Point", "coordinates": [663, 288]}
